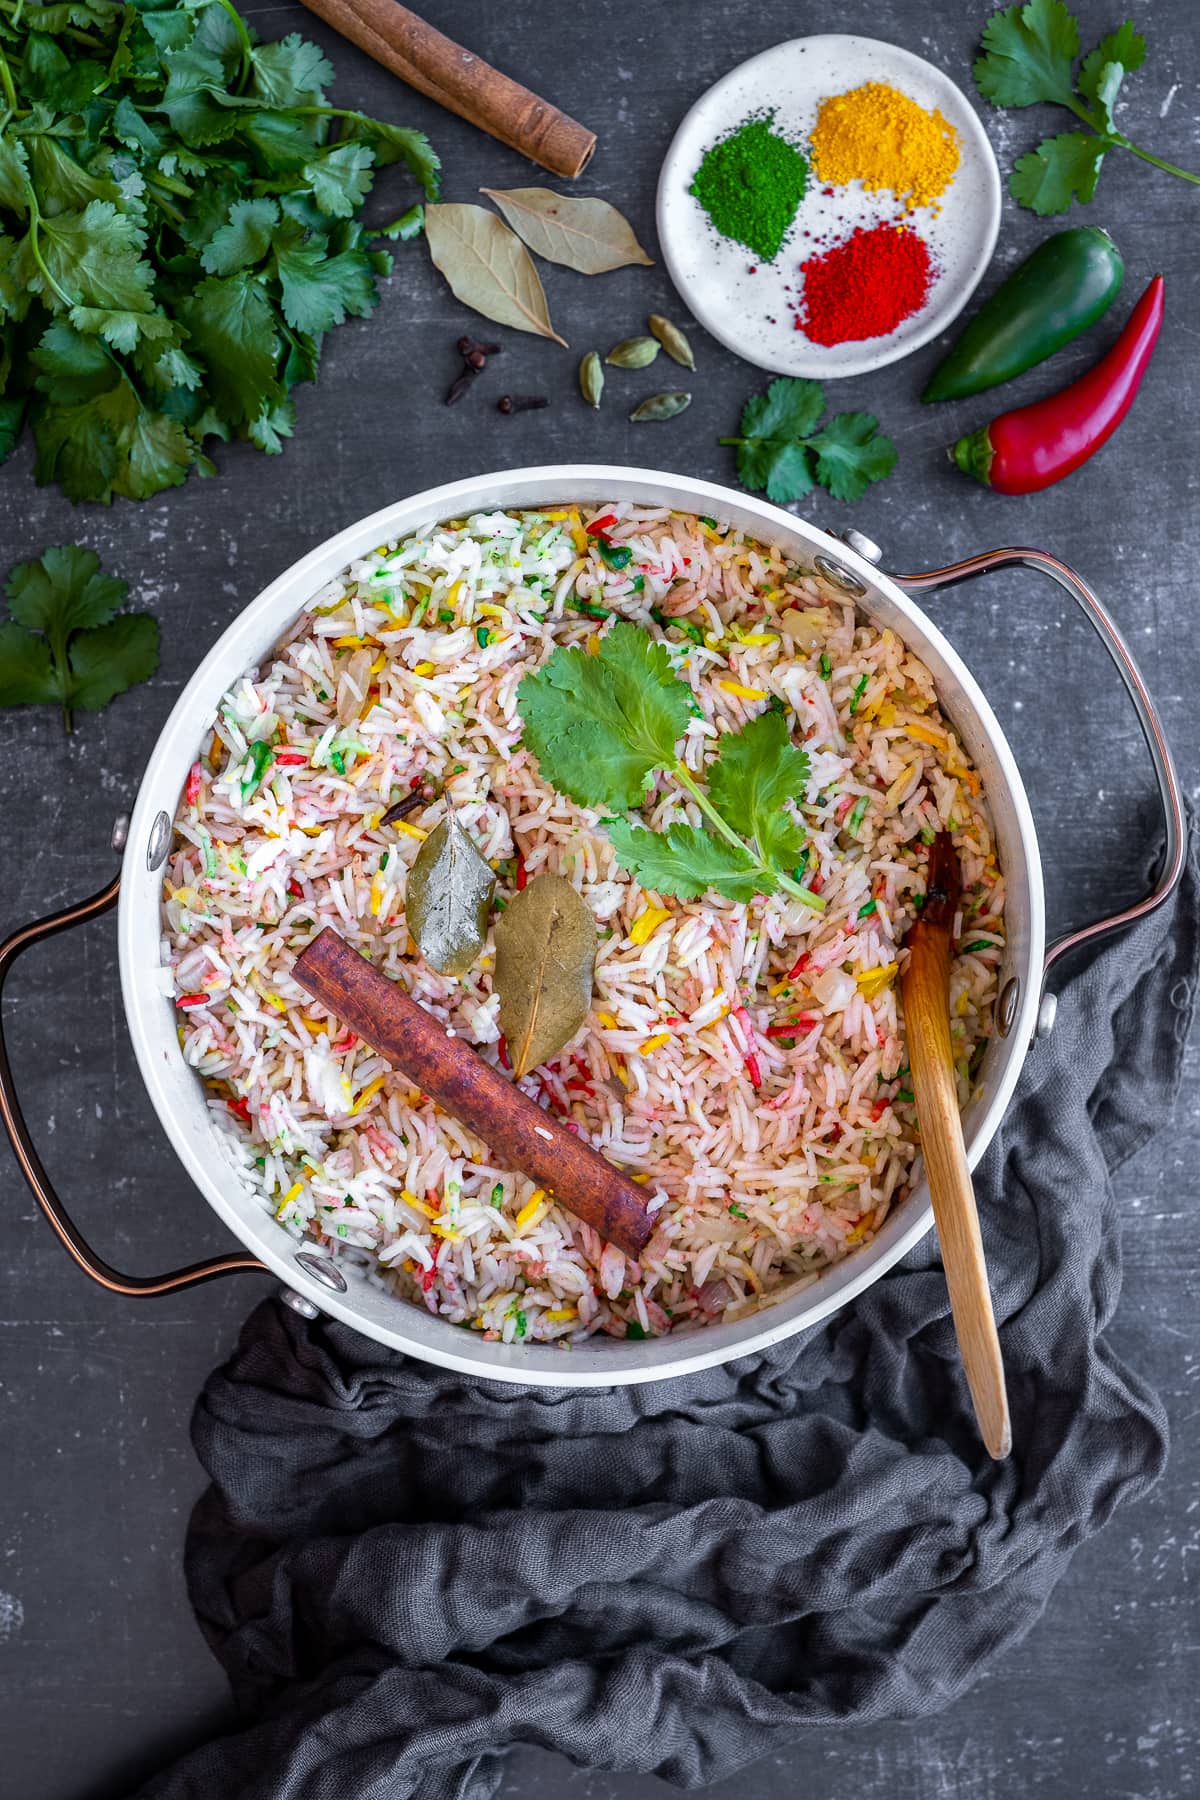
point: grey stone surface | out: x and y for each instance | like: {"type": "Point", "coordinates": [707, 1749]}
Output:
{"type": "Point", "coordinates": [102, 1671]}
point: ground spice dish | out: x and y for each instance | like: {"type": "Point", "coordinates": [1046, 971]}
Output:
{"type": "Point", "coordinates": [865, 286]}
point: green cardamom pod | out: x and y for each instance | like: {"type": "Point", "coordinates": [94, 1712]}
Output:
{"type": "Point", "coordinates": [591, 379]}
{"type": "Point", "coordinates": [672, 340]}
{"type": "Point", "coordinates": [660, 406]}
{"type": "Point", "coordinates": [633, 353]}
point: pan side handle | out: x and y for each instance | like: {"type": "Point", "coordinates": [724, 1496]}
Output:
{"type": "Point", "coordinates": [135, 1286]}
{"type": "Point", "coordinates": [1105, 626]}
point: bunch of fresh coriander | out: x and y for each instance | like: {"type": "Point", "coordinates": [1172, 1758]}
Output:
{"type": "Point", "coordinates": [181, 215]}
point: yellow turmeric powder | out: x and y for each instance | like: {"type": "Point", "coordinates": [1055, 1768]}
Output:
{"type": "Point", "coordinates": [877, 135]}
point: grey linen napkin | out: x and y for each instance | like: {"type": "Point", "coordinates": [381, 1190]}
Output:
{"type": "Point", "coordinates": [404, 1571]}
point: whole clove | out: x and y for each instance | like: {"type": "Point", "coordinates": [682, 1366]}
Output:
{"type": "Point", "coordinates": [461, 383]}
{"type": "Point", "coordinates": [422, 796]}
{"type": "Point", "coordinates": [516, 403]}
{"type": "Point", "coordinates": [469, 347]}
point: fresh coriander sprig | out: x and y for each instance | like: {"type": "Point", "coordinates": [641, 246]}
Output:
{"type": "Point", "coordinates": [604, 727]}
{"type": "Point", "coordinates": [67, 644]}
{"type": "Point", "coordinates": [1028, 56]}
{"type": "Point", "coordinates": [782, 451]}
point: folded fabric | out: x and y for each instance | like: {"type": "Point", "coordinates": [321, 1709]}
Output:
{"type": "Point", "coordinates": [406, 1572]}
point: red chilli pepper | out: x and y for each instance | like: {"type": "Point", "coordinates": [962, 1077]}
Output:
{"type": "Point", "coordinates": [1032, 447]}
{"type": "Point", "coordinates": [502, 1050]}
{"type": "Point", "coordinates": [295, 757]}
{"type": "Point", "coordinates": [191, 792]}
{"type": "Point", "coordinates": [799, 966]}
{"type": "Point", "coordinates": [240, 1107]}
{"type": "Point", "coordinates": [522, 875]}
{"type": "Point", "coordinates": [604, 523]}
{"type": "Point", "coordinates": [187, 1000]}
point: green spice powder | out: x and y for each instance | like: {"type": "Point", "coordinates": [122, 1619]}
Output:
{"type": "Point", "coordinates": [750, 185]}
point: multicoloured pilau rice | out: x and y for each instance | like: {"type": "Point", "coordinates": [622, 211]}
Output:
{"type": "Point", "coordinates": [766, 1154]}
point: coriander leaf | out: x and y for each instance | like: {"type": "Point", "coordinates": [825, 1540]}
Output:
{"type": "Point", "coordinates": [14, 175]}
{"type": "Point", "coordinates": [1108, 87]}
{"type": "Point", "coordinates": [272, 425]}
{"type": "Point", "coordinates": [26, 672]}
{"type": "Point", "coordinates": [105, 662]}
{"type": "Point", "coordinates": [398, 143]}
{"type": "Point", "coordinates": [94, 257]}
{"type": "Point", "coordinates": [1046, 179]}
{"type": "Point", "coordinates": [71, 367]}
{"type": "Point", "coordinates": [243, 240]}
{"type": "Point", "coordinates": [602, 726]}
{"type": "Point", "coordinates": [192, 100]}
{"type": "Point", "coordinates": [133, 129]}
{"type": "Point", "coordinates": [158, 454]}
{"type": "Point", "coordinates": [1028, 55]}
{"type": "Point", "coordinates": [685, 861]}
{"type": "Point", "coordinates": [217, 31]}
{"type": "Point", "coordinates": [62, 591]}
{"type": "Point", "coordinates": [284, 141]}
{"type": "Point", "coordinates": [232, 330]}
{"type": "Point", "coordinates": [852, 452]}
{"type": "Point", "coordinates": [290, 72]}
{"type": "Point", "coordinates": [78, 447]}
{"type": "Point", "coordinates": [123, 330]}
{"type": "Point", "coordinates": [409, 225]}
{"type": "Point", "coordinates": [48, 74]}
{"type": "Point", "coordinates": [1103, 69]}
{"type": "Point", "coordinates": [319, 289]}
{"type": "Point", "coordinates": [756, 772]}
{"type": "Point", "coordinates": [341, 179]}
{"type": "Point", "coordinates": [71, 12]}
{"type": "Point", "coordinates": [174, 368]}
{"type": "Point", "coordinates": [63, 184]}
{"type": "Point", "coordinates": [790, 408]}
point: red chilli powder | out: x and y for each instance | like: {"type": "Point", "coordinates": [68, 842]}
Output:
{"type": "Point", "coordinates": [865, 286]}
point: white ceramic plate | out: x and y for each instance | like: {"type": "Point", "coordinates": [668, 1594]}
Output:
{"type": "Point", "coordinates": [754, 314]}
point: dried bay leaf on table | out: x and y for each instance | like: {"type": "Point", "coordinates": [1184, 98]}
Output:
{"type": "Point", "coordinates": [588, 235]}
{"type": "Point", "coordinates": [488, 267]}
{"type": "Point", "coordinates": [448, 897]}
{"type": "Point", "coordinates": [545, 961]}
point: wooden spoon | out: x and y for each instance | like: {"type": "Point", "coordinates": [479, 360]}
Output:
{"type": "Point", "coordinates": [925, 988]}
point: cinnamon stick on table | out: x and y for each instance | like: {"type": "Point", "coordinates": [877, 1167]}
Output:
{"type": "Point", "coordinates": [515, 1129]}
{"type": "Point", "coordinates": [461, 82]}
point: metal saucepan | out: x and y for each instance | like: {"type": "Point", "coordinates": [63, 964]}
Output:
{"type": "Point", "coordinates": [315, 1283]}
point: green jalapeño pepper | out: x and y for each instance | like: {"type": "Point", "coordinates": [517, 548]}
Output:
{"type": "Point", "coordinates": [1057, 292]}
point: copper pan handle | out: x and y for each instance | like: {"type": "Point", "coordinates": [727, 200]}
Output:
{"type": "Point", "coordinates": [1105, 626]}
{"type": "Point", "coordinates": [30, 1163]}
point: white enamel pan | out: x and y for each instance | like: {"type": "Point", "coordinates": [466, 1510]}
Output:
{"type": "Point", "coordinates": [314, 1282]}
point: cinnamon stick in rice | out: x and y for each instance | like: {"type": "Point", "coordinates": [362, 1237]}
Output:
{"type": "Point", "coordinates": [516, 1130]}
{"type": "Point", "coordinates": [462, 82]}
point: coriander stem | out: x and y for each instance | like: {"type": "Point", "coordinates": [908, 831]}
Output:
{"type": "Point", "coordinates": [1117, 140]}
{"type": "Point", "coordinates": [6, 81]}
{"type": "Point", "coordinates": [1145, 155]}
{"type": "Point", "coordinates": [247, 47]}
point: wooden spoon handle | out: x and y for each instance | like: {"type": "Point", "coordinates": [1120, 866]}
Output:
{"type": "Point", "coordinates": [925, 987]}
